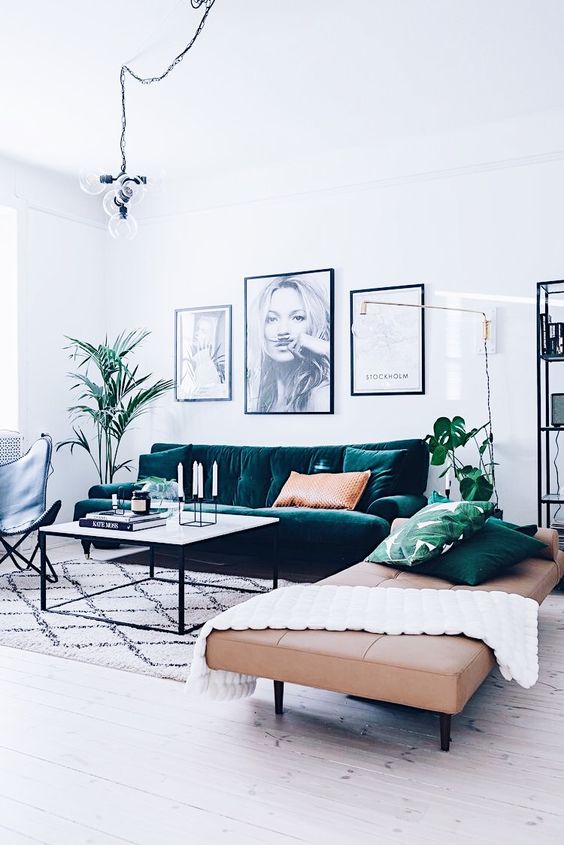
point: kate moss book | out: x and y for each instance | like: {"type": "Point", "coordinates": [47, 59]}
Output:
{"type": "Point", "coordinates": [120, 524]}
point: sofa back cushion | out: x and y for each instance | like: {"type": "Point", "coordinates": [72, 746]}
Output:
{"type": "Point", "coordinates": [164, 463]}
{"type": "Point", "coordinates": [252, 476]}
{"type": "Point", "coordinates": [384, 466]}
{"type": "Point", "coordinates": [303, 459]}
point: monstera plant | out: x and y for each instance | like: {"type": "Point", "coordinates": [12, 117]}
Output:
{"type": "Point", "coordinates": [111, 394]}
{"type": "Point", "coordinates": [477, 483]}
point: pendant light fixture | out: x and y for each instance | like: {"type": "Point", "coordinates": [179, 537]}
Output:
{"type": "Point", "coordinates": [124, 191]}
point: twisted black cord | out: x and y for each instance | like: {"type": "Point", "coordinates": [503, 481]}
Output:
{"type": "Point", "coordinates": [490, 430]}
{"type": "Point", "coordinates": [148, 80]}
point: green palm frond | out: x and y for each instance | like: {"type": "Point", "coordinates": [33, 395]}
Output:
{"type": "Point", "coordinates": [111, 399]}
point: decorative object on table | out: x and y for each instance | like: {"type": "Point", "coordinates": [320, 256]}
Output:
{"type": "Point", "coordinates": [477, 483]}
{"type": "Point", "coordinates": [163, 495]}
{"type": "Point", "coordinates": [108, 521]}
{"type": "Point", "coordinates": [431, 532]}
{"type": "Point", "coordinates": [195, 508]}
{"type": "Point", "coordinates": [203, 353]}
{"type": "Point", "coordinates": [289, 343]}
{"type": "Point", "coordinates": [23, 503]}
{"type": "Point", "coordinates": [109, 399]}
{"type": "Point", "coordinates": [141, 502]}
{"type": "Point", "coordinates": [388, 349]}
{"type": "Point", "coordinates": [125, 191]}
{"type": "Point", "coordinates": [330, 490]}
{"type": "Point", "coordinates": [11, 446]}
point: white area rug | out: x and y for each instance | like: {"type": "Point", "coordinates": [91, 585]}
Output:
{"type": "Point", "coordinates": [64, 633]}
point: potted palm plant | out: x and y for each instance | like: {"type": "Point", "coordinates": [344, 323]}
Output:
{"type": "Point", "coordinates": [111, 395]}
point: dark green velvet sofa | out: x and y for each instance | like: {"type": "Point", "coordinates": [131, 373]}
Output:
{"type": "Point", "coordinates": [312, 542]}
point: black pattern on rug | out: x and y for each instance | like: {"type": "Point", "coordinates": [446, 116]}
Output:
{"type": "Point", "coordinates": [68, 632]}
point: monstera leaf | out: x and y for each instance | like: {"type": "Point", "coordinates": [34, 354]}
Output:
{"type": "Point", "coordinates": [447, 435]}
{"type": "Point", "coordinates": [475, 486]}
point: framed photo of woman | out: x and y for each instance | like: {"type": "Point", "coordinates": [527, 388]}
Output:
{"type": "Point", "coordinates": [289, 343]}
{"type": "Point", "coordinates": [203, 353]}
{"type": "Point", "coordinates": [388, 342]}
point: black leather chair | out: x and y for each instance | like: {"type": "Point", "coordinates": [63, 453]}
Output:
{"type": "Point", "coordinates": [23, 503]}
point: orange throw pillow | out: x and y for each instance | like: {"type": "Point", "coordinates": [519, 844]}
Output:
{"type": "Point", "coordinates": [331, 490]}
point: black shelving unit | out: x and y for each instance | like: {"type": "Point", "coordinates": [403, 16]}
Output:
{"type": "Point", "coordinates": [546, 445]}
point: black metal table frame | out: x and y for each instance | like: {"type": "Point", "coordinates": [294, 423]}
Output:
{"type": "Point", "coordinates": [179, 563]}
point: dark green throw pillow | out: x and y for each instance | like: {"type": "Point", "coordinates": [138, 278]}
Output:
{"type": "Point", "coordinates": [165, 464]}
{"type": "Point", "coordinates": [432, 531]}
{"type": "Point", "coordinates": [384, 466]}
{"type": "Point", "coordinates": [489, 553]}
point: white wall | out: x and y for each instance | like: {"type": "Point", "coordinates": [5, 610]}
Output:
{"type": "Point", "coordinates": [479, 233]}
{"type": "Point", "coordinates": [61, 272]}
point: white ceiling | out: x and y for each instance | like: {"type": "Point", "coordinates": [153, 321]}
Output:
{"type": "Point", "coordinates": [268, 80]}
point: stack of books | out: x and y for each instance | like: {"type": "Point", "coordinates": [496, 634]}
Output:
{"type": "Point", "coordinates": [552, 337]}
{"type": "Point", "coordinates": [110, 521]}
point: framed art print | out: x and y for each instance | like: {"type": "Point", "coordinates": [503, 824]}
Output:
{"type": "Point", "coordinates": [289, 343]}
{"type": "Point", "coordinates": [203, 353]}
{"type": "Point", "coordinates": [388, 342]}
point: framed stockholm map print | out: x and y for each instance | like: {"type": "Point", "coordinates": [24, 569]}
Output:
{"type": "Point", "coordinates": [388, 343]}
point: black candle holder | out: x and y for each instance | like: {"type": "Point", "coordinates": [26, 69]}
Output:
{"type": "Point", "coordinates": [197, 512]}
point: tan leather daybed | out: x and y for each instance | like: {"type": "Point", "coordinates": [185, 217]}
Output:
{"type": "Point", "coordinates": [438, 673]}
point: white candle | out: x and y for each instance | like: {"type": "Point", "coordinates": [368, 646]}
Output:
{"type": "Point", "coordinates": [200, 481]}
{"type": "Point", "coordinates": [214, 478]}
{"type": "Point", "coordinates": [194, 479]}
{"type": "Point", "coordinates": [114, 501]}
{"type": "Point", "coordinates": [180, 476]}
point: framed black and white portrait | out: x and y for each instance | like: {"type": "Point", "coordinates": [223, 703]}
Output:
{"type": "Point", "coordinates": [388, 342]}
{"type": "Point", "coordinates": [203, 353]}
{"type": "Point", "coordinates": [289, 343]}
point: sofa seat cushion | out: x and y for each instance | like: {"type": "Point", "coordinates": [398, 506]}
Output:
{"type": "Point", "coordinates": [312, 530]}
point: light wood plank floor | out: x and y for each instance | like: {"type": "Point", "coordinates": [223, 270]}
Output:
{"type": "Point", "coordinates": [98, 756]}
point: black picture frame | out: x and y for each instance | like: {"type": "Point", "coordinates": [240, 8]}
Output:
{"type": "Point", "coordinates": [315, 287]}
{"type": "Point", "coordinates": [221, 358]}
{"type": "Point", "coordinates": [410, 318]}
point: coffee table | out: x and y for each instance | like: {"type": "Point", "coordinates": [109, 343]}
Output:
{"type": "Point", "coordinates": [171, 537]}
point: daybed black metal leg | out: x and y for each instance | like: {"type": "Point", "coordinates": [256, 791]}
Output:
{"type": "Point", "coordinates": [279, 697]}
{"type": "Point", "coordinates": [444, 723]}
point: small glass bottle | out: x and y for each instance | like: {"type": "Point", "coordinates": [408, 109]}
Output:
{"type": "Point", "coordinates": [140, 502]}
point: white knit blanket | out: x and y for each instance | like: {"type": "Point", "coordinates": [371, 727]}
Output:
{"type": "Point", "coordinates": [506, 622]}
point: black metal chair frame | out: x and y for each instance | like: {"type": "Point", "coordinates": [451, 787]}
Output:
{"type": "Point", "coordinates": [40, 519]}
{"type": "Point", "coordinates": [12, 551]}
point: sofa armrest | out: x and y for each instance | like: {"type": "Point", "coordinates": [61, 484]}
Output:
{"type": "Point", "coordinates": [105, 491]}
{"type": "Point", "coordinates": [391, 507]}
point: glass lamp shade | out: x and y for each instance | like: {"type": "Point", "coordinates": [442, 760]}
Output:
{"type": "Point", "coordinates": [109, 203]}
{"type": "Point", "coordinates": [122, 228]}
{"type": "Point", "coordinates": [89, 181]}
{"type": "Point", "coordinates": [131, 190]}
